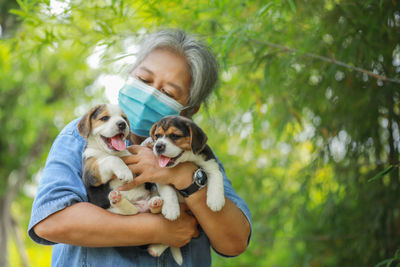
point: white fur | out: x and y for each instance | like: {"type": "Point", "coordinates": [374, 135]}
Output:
{"type": "Point", "coordinates": [215, 185]}
{"type": "Point", "coordinates": [107, 129]}
{"type": "Point", "coordinates": [171, 150]}
{"type": "Point", "coordinates": [170, 209]}
{"type": "Point", "coordinates": [109, 162]}
{"type": "Point", "coordinates": [157, 249]}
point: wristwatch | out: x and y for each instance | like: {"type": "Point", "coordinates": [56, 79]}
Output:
{"type": "Point", "coordinates": [199, 181]}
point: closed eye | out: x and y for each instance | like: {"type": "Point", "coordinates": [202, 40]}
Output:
{"type": "Point", "coordinates": [143, 80]}
{"type": "Point", "coordinates": [165, 92]}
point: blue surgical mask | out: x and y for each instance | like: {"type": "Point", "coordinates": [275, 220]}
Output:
{"type": "Point", "coordinates": [145, 105]}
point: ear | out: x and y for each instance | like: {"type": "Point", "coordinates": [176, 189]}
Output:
{"type": "Point", "coordinates": [85, 125]}
{"type": "Point", "coordinates": [190, 112]}
{"type": "Point", "coordinates": [153, 130]}
{"type": "Point", "coordinates": [198, 139]}
{"type": "Point", "coordinates": [127, 121]}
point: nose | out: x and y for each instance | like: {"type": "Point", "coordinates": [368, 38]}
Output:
{"type": "Point", "coordinates": [121, 125]}
{"type": "Point", "coordinates": [160, 147]}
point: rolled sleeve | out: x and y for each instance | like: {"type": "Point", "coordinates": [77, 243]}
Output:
{"type": "Point", "coordinates": [61, 184]}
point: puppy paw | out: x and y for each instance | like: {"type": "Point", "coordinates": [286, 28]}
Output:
{"type": "Point", "coordinates": [155, 204]}
{"type": "Point", "coordinates": [124, 175]}
{"type": "Point", "coordinates": [114, 197]}
{"type": "Point", "coordinates": [156, 250]}
{"type": "Point", "coordinates": [216, 202]}
{"type": "Point", "coordinates": [170, 211]}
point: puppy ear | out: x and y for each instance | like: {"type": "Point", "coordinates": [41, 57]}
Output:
{"type": "Point", "coordinates": [153, 130]}
{"type": "Point", "coordinates": [198, 139]}
{"type": "Point", "coordinates": [85, 125]}
{"type": "Point", "coordinates": [127, 121]}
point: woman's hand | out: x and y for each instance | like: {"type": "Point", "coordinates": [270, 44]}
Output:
{"type": "Point", "coordinates": [144, 164]}
{"type": "Point", "coordinates": [179, 232]}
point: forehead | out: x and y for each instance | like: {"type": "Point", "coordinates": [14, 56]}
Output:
{"type": "Point", "coordinates": [106, 110]}
{"type": "Point", "coordinates": [172, 126]}
{"type": "Point", "coordinates": [114, 110]}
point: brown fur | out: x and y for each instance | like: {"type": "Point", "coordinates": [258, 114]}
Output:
{"type": "Point", "coordinates": [91, 168]}
{"type": "Point", "coordinates": [184, 143]}
{"type": "Point", "coordinates": [196, 141]}
{"type": "Point", "coordinates": [95, 120]}
{"type": "Point", "coordinates": [85, 124]}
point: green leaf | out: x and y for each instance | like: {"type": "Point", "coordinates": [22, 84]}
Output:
{"type": "Point", "coordinates": [382, 173]}
{"type": "Point", "coordinates": [292, 5]}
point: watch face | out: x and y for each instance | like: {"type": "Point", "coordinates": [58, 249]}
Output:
{"type": "Point", "coordinates": [200, 177]}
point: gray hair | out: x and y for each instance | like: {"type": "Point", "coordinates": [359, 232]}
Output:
{"type": "Point", "coordinates": [203, 64]}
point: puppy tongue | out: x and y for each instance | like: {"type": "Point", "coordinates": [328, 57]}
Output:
{"type": "Point", "coordinates": [117, 143]}
{"type": "Point", "coordinates": [163, 161]}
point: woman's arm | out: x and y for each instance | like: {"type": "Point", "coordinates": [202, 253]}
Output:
{"type": "Point", "coordinates": [84, 224]}
{"type": "Point", "coordinates": [228, 229]}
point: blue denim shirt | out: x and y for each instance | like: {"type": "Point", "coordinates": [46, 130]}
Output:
{"type": "Point", "coordinates": [61, 186]}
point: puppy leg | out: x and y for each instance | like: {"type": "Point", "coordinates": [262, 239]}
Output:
{"type": "Point", "coordinates": [156, 250]}
{"type": "Point", "coordinates": [155, 202]}
{"type": "Point", "coordinates": [114, 165]}
{"type": "Point", "coordinates": [177, 255]}
{"type": "Point", "coordinates": [120, 205]}
{"type": "Point", "coordinates": [170, 209]}
{"type": "Point", "coordinates": [215, 187]}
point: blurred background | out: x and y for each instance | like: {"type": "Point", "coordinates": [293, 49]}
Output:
{"type": "Point", "coordinates": [305, 120]}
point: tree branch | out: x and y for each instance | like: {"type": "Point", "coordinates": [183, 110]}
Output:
{"type": "Point", "coordinates": [329, 60]}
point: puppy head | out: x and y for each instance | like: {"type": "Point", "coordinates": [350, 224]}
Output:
{"type": "Point", "coordinates": [106, 127]}
{"type": "Point", "coordinates": [174, 135]}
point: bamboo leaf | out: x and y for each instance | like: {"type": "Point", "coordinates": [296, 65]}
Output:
{"type": "Point", "coordinates": [292, 5]}
{"type": "Point", "coordinates": [382, 173]}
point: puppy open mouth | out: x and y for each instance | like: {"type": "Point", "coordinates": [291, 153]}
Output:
{"type": "Point", "coordinates": [115, 143]}
{"type": "Point", "coordinates": [164, 161]}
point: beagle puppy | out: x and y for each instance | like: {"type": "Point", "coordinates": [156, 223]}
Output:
{"type": "Point", "coordinates": [178, 139]}
{"type": "Point", "coordinates": [105, 128]}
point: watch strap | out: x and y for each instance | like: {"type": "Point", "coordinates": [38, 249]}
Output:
{"type": "Point", "coordinates": [189, 190]}
{"type": "Point", "coordinates": [195, 186]}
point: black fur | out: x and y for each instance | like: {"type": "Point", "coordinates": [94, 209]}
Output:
{"type": "Point", "coordinates": [98, 110]}
{"type": "Point", "coordinates": [98, 195]}
{"type": "Point", "coordinates": [207, 152]}
{"type": "Point", "coordinates": [88, 178]}
{"type": "Point", "coordinates": [199, 138]}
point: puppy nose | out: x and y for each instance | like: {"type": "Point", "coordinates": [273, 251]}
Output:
{"type": "Point", "coordinates": [121, 125]}
{"type": "Point", "coordinates": [160, 147]}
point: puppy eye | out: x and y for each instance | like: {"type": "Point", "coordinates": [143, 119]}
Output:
{"type": "Point", "coordinates": [174, 136]}
{"type": "Point", "coordinates": [105, 118]}
{"type": "Point", "coordinates": [157, 136]}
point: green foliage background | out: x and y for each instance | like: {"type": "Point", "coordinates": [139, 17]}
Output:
{"type": "Point", "coordinates": [299, 137]}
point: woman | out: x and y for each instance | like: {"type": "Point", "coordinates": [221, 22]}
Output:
{"type": "Point", "coordinates": [184, 70]}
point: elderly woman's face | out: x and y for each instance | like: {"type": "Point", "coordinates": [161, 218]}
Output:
{"type": "Point", "coordinates": [166, 71]}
